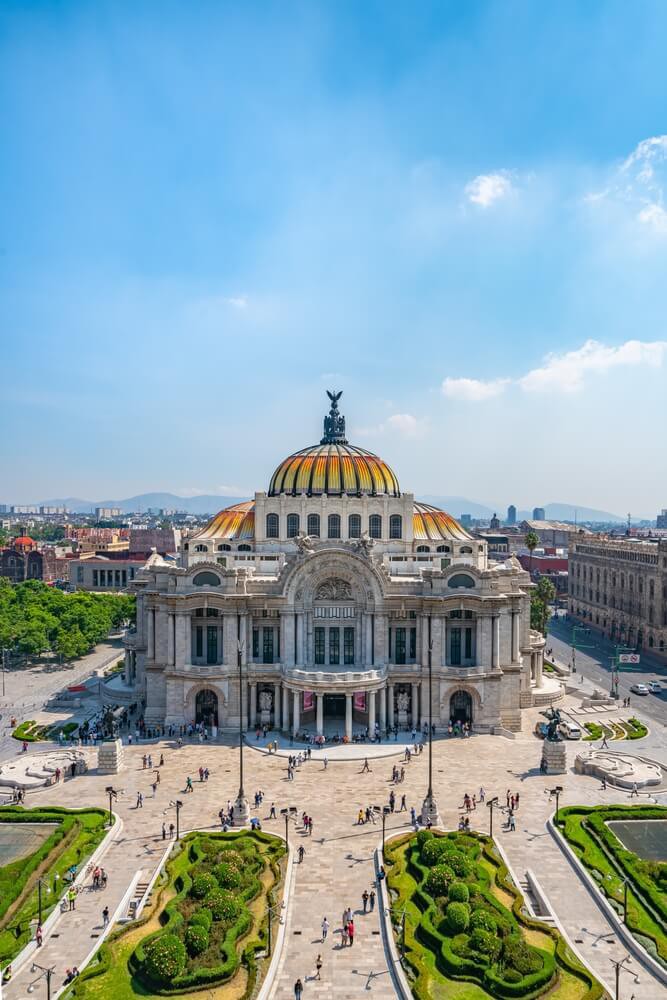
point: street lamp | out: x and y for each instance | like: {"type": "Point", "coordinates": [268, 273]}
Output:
{"type": "Point", "coordinates": [557, 791]}
{"type": "Point", "coordinates": [430, 814]}
{"type": "Point", "coordinates": [47, 972]}
{"type": "Point", "coordinates": [242, 805]}
{"type": "Point", "coordinates": [40, 883]}
{"type": "Point", "coordinates": [625, 901]}
{"type": "Point", "coordinates": [179, 805]}
{"type": "Point", "coordinates": [385, 812]}
{"type": "Point", "coordinates": [618, 965]}
{"type": "Point", "coordinates": [113, 794]}
{"type": "Point", "coordinates": [491, 803]}
{"type": "Point", "coordinates": [270, 911]}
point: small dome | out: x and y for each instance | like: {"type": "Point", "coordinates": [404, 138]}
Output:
{"type": "Point", "coordinates": [433, 525]}
{"type": "Point", "coordinates": [236, 523]}
{"type": "Point", "coordinates": [23, 542]}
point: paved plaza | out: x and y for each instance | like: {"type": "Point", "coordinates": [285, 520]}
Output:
{"type": "Point", "coordinates": [338, 862]}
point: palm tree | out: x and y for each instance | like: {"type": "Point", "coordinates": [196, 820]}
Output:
{"type": "Point", "coordinates": [532, 541]}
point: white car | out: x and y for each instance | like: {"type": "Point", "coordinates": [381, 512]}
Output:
{"type": "Point", "coordinates": [639, 689]}
{"type": "Point", "coordinates": [654, 687]}
{"type": "Point", "coordinates": [570, 730]}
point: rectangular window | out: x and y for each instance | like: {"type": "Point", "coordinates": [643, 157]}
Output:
{"type": "Point", "coordinates": [125, 578]}
{"type": "Point", "coordinates": [131, 572]}
{"type": "Point", "coordinates": [413, 643]}
{"type": "Point", "coordinates": [455, 648]}
{"type": "Point", "coordinates": [468, 647]}
{"type": "Point", "coordinates": [400, 645]}
{"type": "Point", "coordinates": [199, 642]}
{"type": "Point", "coordinates": [79, 576]}
{"type": "Point", "coordinates": [267, 645]}
{"type": "Point", "coordinates": [211, 644]}
{"type": "Point", "coordinates": [319, 646]}
{"type": "Point", "coordinates": [390, 631]}
{"type": "Point", "coordinates": [255, 644]}
{"type": "Point", "coordinates": [334, 645]}
{"type": "Point", "coordinates": [348, 645]}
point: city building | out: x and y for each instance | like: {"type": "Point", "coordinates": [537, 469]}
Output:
{"type": "Point", "coordinates": [619, 585]}
{"type": "Point", "coordinates": [511, 515]}
{"type": "Point", "coordinates": [549, 562]}
{"type": "Point", "coordinates": [330, 593]}
{"type": "Point", "coordinates": [107, 513]}
{"type": "Point", "coordinates": [100, 572]}
{"type": "Point", "coordinates": [661, 520]}
{"type": "Point", "coordinates": [21, 561]}
{"type": "Point", "coordinates": [466, 520]}
{"type": "Point", "coordinates": [165, 541]}
{"type": "Point", "coordinates": [555, 534]}
{"type": "Point", "coordinates": [538, 514]}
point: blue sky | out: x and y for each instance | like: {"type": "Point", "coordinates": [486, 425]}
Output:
{"type": "Point", "coordinates": [455, 212]}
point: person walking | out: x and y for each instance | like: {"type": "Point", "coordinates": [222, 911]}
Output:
{"type": "Point", "coordinates": [39, 935]}
{"type": "Point", "coordinates": [326, 763]}
{"type": "Point", "coordinates": [298, 990]}
{"type": "Point", "coordinates": [371, 899]}
{"type": "Point", "coordinates": [140, 800]}
{"type": "Point", "coordinates": [364, 899]}
{"type": "Point", "coordinates": [105, 917]}
{"type": "Point", "coordinates": [404, 804]}
{"type": "Point", "coordinates": [366, 766]}
{"type": "Point", "coordinates": [350, 932]}
{"type": "Point", "coordinates": [325, 929]}
{"type": "Point", "coordinates": [302, 852]}
{"type": "Point", "coordinates": [71, 898]}
{"type": "Point", "coordinates": [318, 967]}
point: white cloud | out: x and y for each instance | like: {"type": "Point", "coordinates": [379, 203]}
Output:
{"type": "Point", "coordinates": [640, 182]}
{"type": "Point", "coordinates": [233, 491]}
{"type": "Point", "coordinates": [486, 189]}
{"type": "Point", "coordinates": [655, 216]}
{"type": "Point", "coordinates": [472, 390]}
{"type": "Point", "coordinates": [565, 372]}
{"type": "Point", "coordinates": [237, 301]}
{"type": "Point", "coordinates": [406, 425]}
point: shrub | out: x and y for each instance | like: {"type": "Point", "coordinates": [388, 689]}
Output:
{"type": "Point", "coordinates": [165, 958]}
{"type": "Point", "coordinates": [439, 880]}
{"type": "Point", "coordinates": [485, 942]}
{"type": "Point", "coordinates": [459, 864]}
{"type": "Point", "coordinates": [203, 885]}
{"type": "Point", "coordinates": [458, 917]}
{"type": "Point", "coordinates": [201, 918]}
{"type": "Point", "coordinates": [196, 939]}
{"type": "Point", "coordinates": [423, 836]}
{"type": "Point", "coordinates": [223, 905]}
{"type": "Point", "coordinates": [483, 919]}
{"type": "Point", "coordinates": [519, 956]}
{"type": "Point", "coordinates": [458, 892]}
{"type": "Point", "coordinates": [228, 875]}
{"type": "Point", "coordinates": [433, 850]}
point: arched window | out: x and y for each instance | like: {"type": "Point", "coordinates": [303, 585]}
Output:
{"type": "Point", "coordinates": [292, 525]}
{"type": "Point", "coordinates": [333, 526]}
{"type": "Point", "coordinates": [375, 526]}
{"type": "Point", "coordinates": [442, 548]}
{"type": "Point", "coordinates": [272, 525]}
{"type": "Point", "coordinates": [245, 548]}
{"type": "Point", "coordinates": [395, 526]}
{"type": "Point", "coordinates": [354, 526]}
{"type": "Point", "coordinates": [224, 547]}
{"type": "Point", "coordinates": [423, 548]}
{"type": "Point", "coordinates": [206, 580]}
{"type": "Point", "coordinates": [201, 548]}
{"type": "Point", "coordinates": [314, 524]}
{"type": "Point", "coordinates": [460, 580]}
{"type": "Point", "coordinates": [651, 589]}
{"type": "Point", "coordinates": [466, 550]}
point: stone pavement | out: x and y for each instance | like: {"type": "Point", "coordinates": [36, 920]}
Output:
{"type": "Point", "coordinates": [338, 863]}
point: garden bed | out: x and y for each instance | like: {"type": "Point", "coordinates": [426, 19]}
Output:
{"type": "Point", "coordinates": [610, 863]}
{"type": "Point", "coordinates": [628, 729]}
{"type": "Point", "coordinates": [461, 923]}
{"type": "Point", "coordinates": [76, 836]}
{"type": "Point", "coordinates": [206, 929]}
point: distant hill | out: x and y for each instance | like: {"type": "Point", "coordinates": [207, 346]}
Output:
{"type": "Point", "coordinates": [570, 512]}
{"type": "Point", "coordinates": [205, 504]}
{"type": "Point", "coordinates": [461, 505]}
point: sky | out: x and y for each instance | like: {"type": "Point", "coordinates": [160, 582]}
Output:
{"type": "Point", "coordinates": [456, 213]}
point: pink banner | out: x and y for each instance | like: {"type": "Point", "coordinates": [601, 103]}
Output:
{"type": "Point", "coordinates": [360, 701]}
{"type": "Point", "coordinates": [308, 701]}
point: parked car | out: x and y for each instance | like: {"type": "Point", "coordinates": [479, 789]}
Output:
{"type": "Point", "coordinates": [655, 688]}
{"type": "Point", "coordinates": [639, 689]}
{"type": "Point", "coordinates": [541, 730]}
{"type": "Point", "coordinates": [570, 730]}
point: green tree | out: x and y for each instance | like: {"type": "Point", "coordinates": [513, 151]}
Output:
{"type": "Point", "coordinates": [541, 598]}
{"type": "Point", "coordinates": [531, 541]}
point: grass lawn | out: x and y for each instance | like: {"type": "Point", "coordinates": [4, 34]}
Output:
{"type": "Point", "coordinates": [226, 968]}
{"type": "Point", "coordinates": [446, 956]}
{"type": "Point", "coordinates": [78, 833]}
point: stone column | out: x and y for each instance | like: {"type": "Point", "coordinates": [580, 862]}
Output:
{"type": "Point", "coordinates": [495, 642]}
{"type": "Point", "coordinates": [253, 703]}
{"type": "Point", "coordinates": [348, 716]}
{"type": "Point", "coordinates": [188, 638]}
{"type": "Point", "coordinates": [479, 640]}
{"type": "Point", "coordinates": [415, 706]}
{"type": "Point", "coordinates": [539, 663]}
{"type": "Point", "coordinates": [276, 706]}
{"type": "Point", "coordinates": [423, 657]}
{"type": "Point", "coordinates": [368, 639]}
{"type": "Point", "coordinates": [127, 672]}
{"type": "Point", "coordinates": [516, 637]}
{"type": "Point", "coordinates": [150, 650]}
{"type": "Point", "coordinates": [320, 714]}
{"type": "Point", "coordinates": [383, 710]}
{"type": "Point", "coordinates": [285, 710]}
{"type": "Point", "coordinates": [170, 640]}
{"type": "Point", "coordinates": [179, 657]}
{"type": "Point", "coordinates": [390, 692]}
{"type": "Point", "coordinates": [300, 655]}
{"type": "Point", "coordinates": [445, 639]}
{"type": "Point", "coordinates": [371, 711]}
{"type": "Point", "coordinates": [284, 655]}
{"type": "Point", "coordinates": [296, 705]}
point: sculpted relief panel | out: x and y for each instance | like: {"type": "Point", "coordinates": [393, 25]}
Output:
{"type": "Point", "coordinates": [334, 589]}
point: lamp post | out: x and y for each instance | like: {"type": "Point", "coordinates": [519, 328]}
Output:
{"type": "Point", "coordinates": [625, 901]}
{"type": "Point", "coordinates": [242, 810]}
{"type": "Point", "coordinates": [48, 973]}
{"type": "Point", "coordinates": [270, 911]}
{"type": "Point", "coordinates": [557, 791]}
{"type": "Point", "coordinates": [385, 812]}
{"type": "Point", "coordinates": [179, 805]}
{"type": "Point", "coordinates": [113, 794]}
{"type": "Point", "coordinates": [40, 883]}
{"type": "Point", "coordinates": [618, 965]}
{"type": "Point", "coordinates": [430, 815]}
{"type": "Point", "coordinates": [491, 803]}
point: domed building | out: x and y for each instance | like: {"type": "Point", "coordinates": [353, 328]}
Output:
{"type": "Point", "coordinates": [330, 594]}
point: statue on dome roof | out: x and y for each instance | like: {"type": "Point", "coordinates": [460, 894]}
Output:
{"type": "Point", "coordinates": [334, 422]}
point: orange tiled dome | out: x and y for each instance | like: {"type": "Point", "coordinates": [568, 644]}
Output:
{"type": "Point", "coordinates": [433, 525]}
{"type": "Point", "coordinates": [236, 522]}
{"type": "Point", "coordinates": [333, 468]}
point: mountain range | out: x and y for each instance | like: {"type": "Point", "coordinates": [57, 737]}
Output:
{"type": "Point", "coordinates": [211, 503]}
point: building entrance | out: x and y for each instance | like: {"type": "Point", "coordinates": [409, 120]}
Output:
{"type": "Point", "coordinates": [206, 707]}
{"type": "Point", "coordinates": [460, 707]}
{"type": "Point", "coordinates": [334, 706]}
